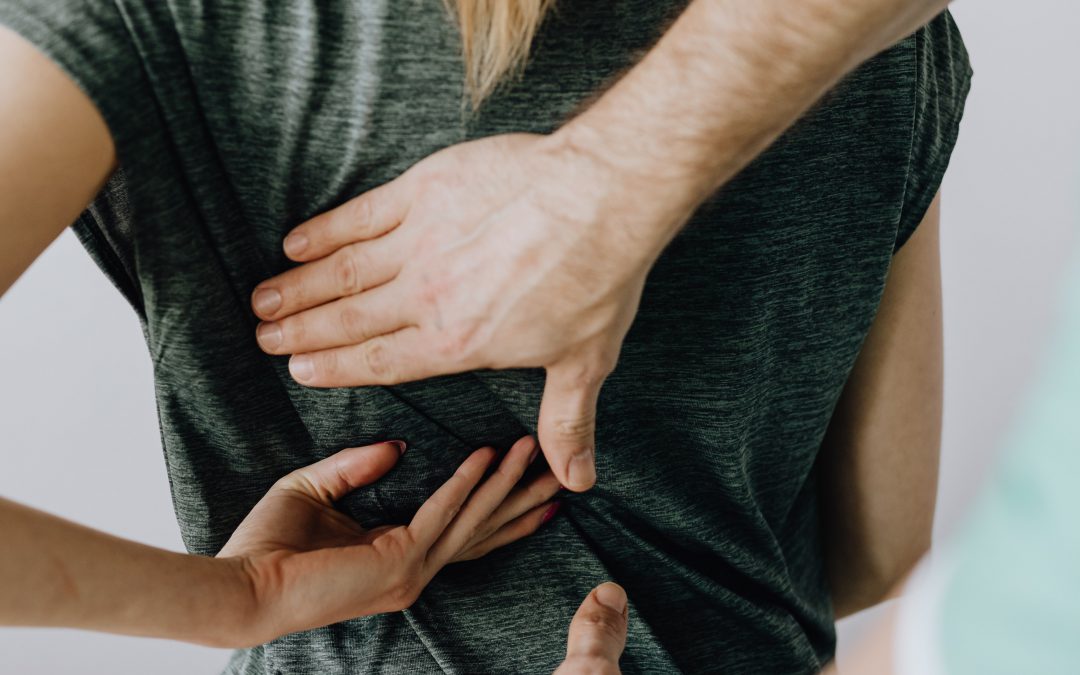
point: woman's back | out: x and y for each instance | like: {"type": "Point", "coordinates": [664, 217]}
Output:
{"type": "Point", "coordinates": [236, 120]}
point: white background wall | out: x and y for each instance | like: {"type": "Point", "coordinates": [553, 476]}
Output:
{"type": "Point", "coordinates": [79, 434]}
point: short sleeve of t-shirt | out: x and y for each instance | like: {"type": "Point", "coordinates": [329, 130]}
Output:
{"type": "Point", "coordinates": [93, 42]}
{"type": "Point", "coordinates": [943, 79]}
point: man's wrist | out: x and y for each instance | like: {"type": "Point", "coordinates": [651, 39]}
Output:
{"type": "Point", "coordinates": [657, 199]}
{"type": "Point", "coordinates": [718, 89]}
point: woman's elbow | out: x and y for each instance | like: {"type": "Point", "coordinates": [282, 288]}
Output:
{"type": "Point", "coordinates": [862, 581]}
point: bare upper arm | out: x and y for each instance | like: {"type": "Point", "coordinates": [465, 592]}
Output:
{"type": "Point", "coordinates": [55, 154]}
{"type": "Point", "coordinates": [879, 462]}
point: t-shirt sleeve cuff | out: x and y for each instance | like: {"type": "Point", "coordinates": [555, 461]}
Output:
{"type": "Point", "coordinates": [92, 44]}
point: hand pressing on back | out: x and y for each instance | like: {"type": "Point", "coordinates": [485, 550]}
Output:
{"type": "Point", "coordinates": [511, 251]}
{"type": "Point", "coordinates": [597, 634]}
{"type": "Point", "coordinates": [309, 565]}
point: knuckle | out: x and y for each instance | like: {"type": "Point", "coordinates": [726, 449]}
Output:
{"type": "Point", "coordinates": [361, 216]}
{"type": "Point", "coordinates": [432, 288]}
{"type": "Point", "coordinates": [509, 472]}
{"type": "Point", "coordinates": [377, 360]}
{"type": "Point", "coordinates": [477, 533]}
{"type": "Point", "coordinates": [297, 481]}
{"type": "Point", "coordinates": [352, 324]}
{"type": "Point", "coordinates": [474, 552]}
{"type": "Point", "coordinates": [467, 473]}
{"type": "Point", "coordinates": [542, 490]}
{"type": "Point", "coordinates": [603, 623]}
{"type": "Point", "coordinates": [427, 295]}
{"type": "Point", "coordinates": [578, 427]}
{"type": "Point", "coordinates": [460, 342]}
{"type": "Point", "coordinates": [521, 528]}
{"type": "Point", "coordinates": [450, 507]}
{"type": "Point", "coordinates": [347, 271]}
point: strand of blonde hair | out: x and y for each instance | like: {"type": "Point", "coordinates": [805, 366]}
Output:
{"type": "Point", "coordinates": [497, 37]}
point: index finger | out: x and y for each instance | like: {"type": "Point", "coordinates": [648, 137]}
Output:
{"type": "Point", "coordinates": [368, 216]}
{"type": "Point", "coordinates": [436, 514]}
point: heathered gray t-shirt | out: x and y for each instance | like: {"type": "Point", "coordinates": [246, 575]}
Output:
{"type": "Point", "coordinates": [235, 120]}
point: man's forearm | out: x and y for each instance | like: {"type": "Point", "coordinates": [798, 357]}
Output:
{"type": "Point", "coordinates": [55, 573]}
{"type": "Point", "coordinates": [724, 82]}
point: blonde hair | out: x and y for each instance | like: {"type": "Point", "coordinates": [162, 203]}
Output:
{"type": "Point", "coordinates": [496, 38]}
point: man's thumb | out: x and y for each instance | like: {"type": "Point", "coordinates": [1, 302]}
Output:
{"type": "Point", "coordinates": [567, 426]}
{"type": "Point", "coordinates": [598, 631]}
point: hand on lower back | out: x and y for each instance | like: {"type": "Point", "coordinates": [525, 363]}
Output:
{"type": "Point", "coordinates": [310, 565]}
{"type": "Point", "coordinates": [508, 252]}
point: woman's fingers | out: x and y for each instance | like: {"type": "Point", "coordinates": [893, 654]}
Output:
{"type": "Point", "coordinates": [524, 498]}
{"type": "Point", "coordinates": [332, 478]}
{"type": "Point", "coordinates": [473, 520]}
{"type": "Point", "coordinates": [523, 512]}
{"type": "Point", "coordinates": [466, 519]}
{"type": "Point", "coordinates": [348, 271]}
{"type": "Point", "coordinates": [484, 501]}
{"type": "Point", "coordinates": [441, 508]}
{"type": "Point", "coordinates": [350, 320]}
{"type": "Point", "coordinates": [597, 633]}
{"type": "Point", "coordinates": [519, 528]}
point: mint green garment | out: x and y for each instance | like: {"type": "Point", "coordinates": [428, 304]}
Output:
{"type": "Point", "coordinates": [1013, 604]}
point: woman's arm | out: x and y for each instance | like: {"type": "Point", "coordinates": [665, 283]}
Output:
{"type": "Point", "coordinates": [295, 563]}
{"type": "Point", "coordinates": [56, 573]}
{"type": "Point", "coordinates": [55, 154]}
{"type": "Point", "coordinates": [879, 462]}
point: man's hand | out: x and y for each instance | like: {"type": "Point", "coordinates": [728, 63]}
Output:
{"type": "Point", "coordinates": [532, 251]}
{"type": "Point", "coordinates": [513, 251]}
{"type": "Point", "coordinates": [308, 564]}
{"type": "Point", "coordinates": [597, 633]}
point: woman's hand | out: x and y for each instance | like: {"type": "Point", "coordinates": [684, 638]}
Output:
{"type": "Point", "coordinates": [309, 565]}
{"type": "Point", "coordinates": [511, 251]}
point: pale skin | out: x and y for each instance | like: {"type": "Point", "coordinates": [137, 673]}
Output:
{"type": "Point", "coordinates": [598, 637]}
{"type": "Point", "coordinates": [559, 291]}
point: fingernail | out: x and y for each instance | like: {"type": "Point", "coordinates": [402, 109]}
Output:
{"type": "Point", "coordinates": [550, 513]}
{"type": "Point", "coordinates": [295, 244]}
{"type": "Point", "coordinates": [400, 445]}
{"type": "Point", "coordinates": [581, 472]}
{"type": "Point", "coordinates": [269, 335]}
{"type": "Point", "coordinates": [535, 453]}
{"type": "Point", "coordinates": [302, 368]}
{"type": "Point", "coordinates": [612, 596]}
{"type": "Point", "coordinates": [266, 301]}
